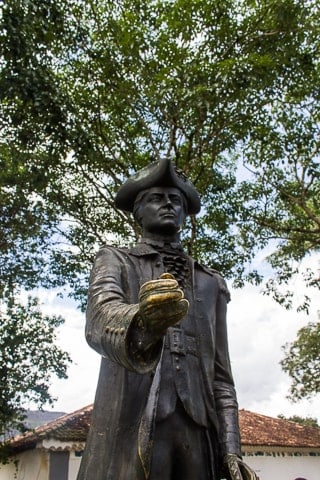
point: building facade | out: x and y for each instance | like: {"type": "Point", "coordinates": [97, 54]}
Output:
{"type": "Point", "coordinates": [276, 449]}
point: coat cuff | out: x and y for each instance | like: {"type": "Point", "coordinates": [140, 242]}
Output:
{"type": "Point", "coordinates": [117, 342]}
{"type": "Point", "coordinates": [228, 420]}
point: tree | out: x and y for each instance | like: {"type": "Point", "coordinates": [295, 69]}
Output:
{"type": "Point", "coordinates": [302, 362]}
{"type": "Point", "coordinates": [91, 91]}
{"type": "Point", "coordinates": [307, 421]}
{"type": "Point", "coordinates": [28, 358]}
{"type": "Point", "coordinates": [196, 80]}
{"type": "Point", "coordinates": [28, 355]}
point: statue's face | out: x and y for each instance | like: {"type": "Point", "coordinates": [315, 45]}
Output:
{"type": "Point", "coordinates": [162, 211]}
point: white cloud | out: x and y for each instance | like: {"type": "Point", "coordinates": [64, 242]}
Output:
{"type": "Point", "coordinates": [79, 389]}
{"type": "Point", "coordinates": [258, 328]}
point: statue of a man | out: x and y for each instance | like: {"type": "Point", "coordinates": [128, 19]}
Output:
{"type": "Point", "coordinates": [165, 406]}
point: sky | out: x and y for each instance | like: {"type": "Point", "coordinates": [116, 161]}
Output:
{"type": "Point", "coordinates": [257, 329]}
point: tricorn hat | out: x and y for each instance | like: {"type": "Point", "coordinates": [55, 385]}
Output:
{"type": "Point", "coordinates": [157, 174]}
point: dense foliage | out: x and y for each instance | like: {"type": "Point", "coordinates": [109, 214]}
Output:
{"type": "Point", "coordinates": [91, 91]}
{"type": "Point", "coordinates": [302, 362]}
{"type": "Point", "coordinates": [28, 357]}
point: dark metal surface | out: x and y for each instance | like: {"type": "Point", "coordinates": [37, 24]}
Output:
{"type": "Point", "coordinates": [161, 349]}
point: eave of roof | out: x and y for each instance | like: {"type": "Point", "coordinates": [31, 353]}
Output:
{"type": "Point", "coordinates": [72, 427]}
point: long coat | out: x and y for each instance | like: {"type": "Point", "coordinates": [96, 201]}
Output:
{"type": "Point", "coordinates": [125, 380]}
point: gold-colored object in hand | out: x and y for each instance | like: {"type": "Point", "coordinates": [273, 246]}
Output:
{"type": "Point", "coordinates": [167, 275]}
{"type": "Point", "coordinates": [162, 303]}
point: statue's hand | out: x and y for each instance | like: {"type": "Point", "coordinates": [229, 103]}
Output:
{"type": "Point", "coordinates": [161, 304]}
{"type": "Point", "coordinates": [237, 469]}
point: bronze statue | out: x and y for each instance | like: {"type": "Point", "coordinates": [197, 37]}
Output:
{"type": "Point", "coordinates": [165, 406]}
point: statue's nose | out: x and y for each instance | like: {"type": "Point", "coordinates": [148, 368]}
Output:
{"type": "Point", "coordinates": [168, 202]}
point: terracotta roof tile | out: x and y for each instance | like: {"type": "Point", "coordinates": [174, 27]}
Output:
{"type": "Point", "coordinates": [72, 427]}
{"type": "Point", "coordinates": [256, 430]}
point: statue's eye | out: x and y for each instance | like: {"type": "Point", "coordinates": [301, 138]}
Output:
{"type": "Point", "coordinates": [156, 198]}
{"type": "Point", "coordinates": [176, 200]}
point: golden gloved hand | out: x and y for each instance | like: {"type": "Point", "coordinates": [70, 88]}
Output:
{"type": "Point", "coordinates": [161, 304]}
{"type": "Point", "coordinates": [238, 470]}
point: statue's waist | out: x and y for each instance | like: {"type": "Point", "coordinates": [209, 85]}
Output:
{"type": "Point", "coordinates": [180, 343]}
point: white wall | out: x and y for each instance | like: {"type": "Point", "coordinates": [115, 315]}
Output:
{"type": "Point", "coordinates": [32, 465]}
{"type": "Point", "coordinates": [7, 471]}
{"type": "Point", "coordinates": [284, 466]}
{"type": "Point", "coordinates": [74, 465]}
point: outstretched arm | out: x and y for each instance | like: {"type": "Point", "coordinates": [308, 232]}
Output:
{"type": "Point", "coordinates": [130, 334]}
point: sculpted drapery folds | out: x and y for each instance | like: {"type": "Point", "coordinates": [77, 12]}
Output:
{"type": "Point", "coordinates": [165, 404]}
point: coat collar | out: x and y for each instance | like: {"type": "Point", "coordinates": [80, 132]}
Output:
{"type": "Point", "coordinates": [142, 249]}
{"type": "Point", "coordinates": [147, 247]}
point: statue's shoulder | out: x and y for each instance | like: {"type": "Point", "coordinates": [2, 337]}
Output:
{"type": "Point", "coordinates": [222, 284]}
{"type": "Point", "coordinates": [211, 271]}
{"type": "Point", "coordinates": [112, 250]}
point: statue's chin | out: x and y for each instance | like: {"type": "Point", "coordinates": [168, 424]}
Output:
{"type": "Point", "coordinates": [163, 232]}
